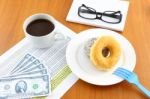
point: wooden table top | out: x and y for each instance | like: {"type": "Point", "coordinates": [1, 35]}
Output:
{"type": "Point", "coordinates": [137, 31]}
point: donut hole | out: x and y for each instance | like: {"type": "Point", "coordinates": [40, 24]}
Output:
{"type": "Point", "coordinates": [106, 52]}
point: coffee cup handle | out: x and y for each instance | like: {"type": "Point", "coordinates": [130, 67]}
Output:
{"type": "Point", "coordinates": [59, 36]}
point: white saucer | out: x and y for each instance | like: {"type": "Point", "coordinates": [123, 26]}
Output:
{"type": "Point", "coordinates": [81, 65]}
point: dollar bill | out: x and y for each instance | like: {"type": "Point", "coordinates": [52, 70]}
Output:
{"type": "Point", "coordinates": [29, 74]}
{"type": "Point", "coordinates": [24, 87]}
{"type": "Point", "coordinates": [27, 59]}
{"type": "Point", "coordinates": [30, 65]}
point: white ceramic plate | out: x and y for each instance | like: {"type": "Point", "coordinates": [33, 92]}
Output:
{"type": "Point", "coordinates": [81, 65]}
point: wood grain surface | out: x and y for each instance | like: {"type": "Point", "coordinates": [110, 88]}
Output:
{"type": "Point", "coordinates": [137, 31]}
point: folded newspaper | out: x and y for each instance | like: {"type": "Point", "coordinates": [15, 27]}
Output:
{"type": "Point", "coordinates": [53, 58]}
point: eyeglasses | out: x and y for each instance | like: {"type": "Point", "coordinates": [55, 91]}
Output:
{"type": "Point", "coordinates": [112, 17]}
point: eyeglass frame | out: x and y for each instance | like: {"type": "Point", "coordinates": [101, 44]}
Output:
{"type": "Point", "coordinates": [100, 14]}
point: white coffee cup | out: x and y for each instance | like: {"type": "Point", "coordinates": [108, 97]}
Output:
{"type": "Point", "coordinates": [42, 41]}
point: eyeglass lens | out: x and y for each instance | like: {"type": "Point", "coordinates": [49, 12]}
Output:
{"type": "Point", "coordinates": [87, 13]}
{"type": "Point", "coordinates": [110, 19]}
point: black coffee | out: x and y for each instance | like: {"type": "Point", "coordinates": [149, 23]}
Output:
{"type": "Point", "coordinates": [40, 27]}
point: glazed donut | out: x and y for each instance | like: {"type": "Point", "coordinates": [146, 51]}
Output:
{"type": "Point", "coordinates": [105, 53]}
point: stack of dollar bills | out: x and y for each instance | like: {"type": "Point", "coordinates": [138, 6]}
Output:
{"type": "Point", "coordinates": [28, 78]}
